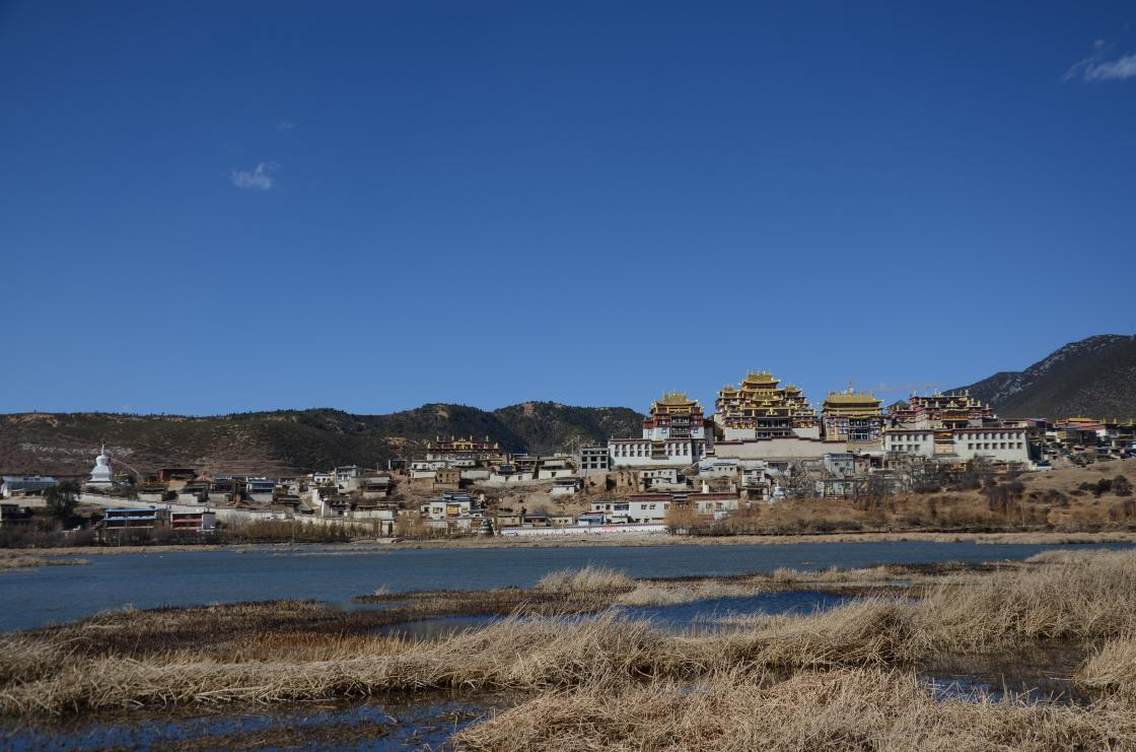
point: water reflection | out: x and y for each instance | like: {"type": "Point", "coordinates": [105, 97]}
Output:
{"type": "Point", "coordinates": [370, 727]}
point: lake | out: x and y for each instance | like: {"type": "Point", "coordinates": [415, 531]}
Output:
{"type": "Point", "coordinates": [38, 597]}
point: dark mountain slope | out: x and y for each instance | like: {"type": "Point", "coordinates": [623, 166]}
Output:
{"type": "Point", "coordinates": [289, 441]}
{"type": "Point", "coordinates": [1094, 377]}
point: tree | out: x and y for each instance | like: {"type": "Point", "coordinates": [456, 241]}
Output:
{"type": "Point", "coordinates": [799, 481]}
{"type": "Point", "coordinates": [62, 499]}
{"type": "Point", "coordinates": [1121, 486]}
{"type": "Point", "coordinates": [680, 518]}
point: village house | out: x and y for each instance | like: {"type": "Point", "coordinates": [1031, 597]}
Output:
{"type": "Point", "coordinates": [594, 459]}
{"type": "Point", "coordinates": [25, 485]}
{"type": "Point", "coordinates": [555, 467]}
{"type": "Point", "coordinates": [14, 515]}
{"type": "Point", "coordinates": [506, 518]}
{"type": "Point", "coordinates": [565, 486]}
{"type": "Point", "coordinates": [448, 506]}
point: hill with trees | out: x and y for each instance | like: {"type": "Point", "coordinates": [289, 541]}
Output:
{"type": "Point", "coordinates": [290, 441]}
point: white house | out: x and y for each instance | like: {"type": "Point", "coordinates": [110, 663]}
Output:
{"type": "Point", "coordinates": [1000, 443]}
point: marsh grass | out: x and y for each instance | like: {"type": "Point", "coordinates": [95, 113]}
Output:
{"type": "Point", "coordinates": [1112, 667]}
{"type": "Point", "coordinates": [847, 710]}
{"type": "Point", "coordinates": [264, 653]}
{"type": "Point", "coordinates": [587, 579]}
{"type": "Point", "coordinates": [28, 562]}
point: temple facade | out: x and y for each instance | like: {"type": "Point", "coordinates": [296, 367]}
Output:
{"type": "Point", "coordinates": [462, 449]}
{"type": "Point", "coordinates": [943, 411]}
{"type": "Point", "coordinates": [760, 408]}
{"type": "Point", "coordinates": [953, 427]}
{"type": "Point", "coordinates": [673, 434]}
{"type": "Point", "coordinates": [852, 417]}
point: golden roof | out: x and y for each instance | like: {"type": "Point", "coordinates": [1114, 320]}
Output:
{"type": "Point", "coordinates": [850, 398]}
{"type": "Point", "coordinates": [675, 398]}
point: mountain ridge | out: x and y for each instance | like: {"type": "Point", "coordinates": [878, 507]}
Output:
{"type": "Point", "coordinates": [1095, 377]}
{"type": "Point", "coordinates": [281, 442]}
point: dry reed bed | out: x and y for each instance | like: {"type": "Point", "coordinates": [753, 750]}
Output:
{"type": "Point", "coordinates": [849, 710]}
{"type": "Point", "coordinates": [27, 562]}
{"type": "Point", "coordinates": [303, 653]}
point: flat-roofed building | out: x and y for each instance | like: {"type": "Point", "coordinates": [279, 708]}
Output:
{"type": "Point", "coordinates": [594, 459]}
{"type": "Point", "coordinates": [1000, 443]}
{"type": "Point", "coordinates": [26, 485]}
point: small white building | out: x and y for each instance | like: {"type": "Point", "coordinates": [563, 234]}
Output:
{"type": "Point", "coordinates": [630, 511]}
{"type": "Point", "coordinates": [565, 487]}
{"type": "Point", "coordinates": [718, 467]}
{"type": "Point", "coordinates": [555, 467]}
{"type": "Point", "coordinates": [594, 459]}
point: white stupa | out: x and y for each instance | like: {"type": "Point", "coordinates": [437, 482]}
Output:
{"type": "Point", "coordinates": [101, 474]}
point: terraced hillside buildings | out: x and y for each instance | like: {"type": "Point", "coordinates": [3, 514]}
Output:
{"type": "Point", "coordinates": [761, 419]}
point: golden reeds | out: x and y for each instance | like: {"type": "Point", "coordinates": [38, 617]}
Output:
{"type": "Point", "coordinates": [301, 650]}
{"type": "Point", "coordinates": [836, 711]}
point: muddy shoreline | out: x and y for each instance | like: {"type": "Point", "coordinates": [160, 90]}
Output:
{"type": "Point", "coordinates": [381, 545]}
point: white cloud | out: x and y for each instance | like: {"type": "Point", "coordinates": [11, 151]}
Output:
{"type": "Point", "coordinates": [1096, 68]}
{"type": "Point", "coordinates": [1121, 68]}
{"type": "Point", "coordinates": [285, 125]}
{"type": "Point", "coordinates": [258, 179]}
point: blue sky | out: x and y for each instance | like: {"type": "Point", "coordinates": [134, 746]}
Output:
{"type": "Point", "coordinates": [213, 207]}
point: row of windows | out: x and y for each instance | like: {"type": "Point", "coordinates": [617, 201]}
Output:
{"type": "Point", "coordinates": [972, 446]}
{"type": "Point", "coordinates": [981, 436]}
{"type": "Point", "coordinates": [644, 450]}
{"type": "Point", "coordinates": [994, 435]}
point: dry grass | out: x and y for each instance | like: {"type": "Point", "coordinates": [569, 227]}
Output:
{"type": "Point", "coordinates": [1074, 596]}
{"type": "Point", "coordinates": [588, 579]}
{"type": "Point", "coordinates": [27, 562]}
{"type": "Point", "coordinates": [837, 711]}
{"type": "Point", "coordinates": [671, 593]}
{"type": "Point", "coordinates": [1112, 668]}
{"type": "Point", "coordinates": [299, 650]}
{"type": "Point", "coordinates": [514, 655]}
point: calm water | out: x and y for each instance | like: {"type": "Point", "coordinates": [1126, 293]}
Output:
{"type": "Point", "coordinates": [695, 616]}
{"type": "Point", "coordinates": [32, 598]}
{"type": "Point", "coordinates": [360, 727]}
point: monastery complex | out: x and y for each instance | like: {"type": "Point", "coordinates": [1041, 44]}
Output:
{"type": "Point", "coordinates": [761, 419]}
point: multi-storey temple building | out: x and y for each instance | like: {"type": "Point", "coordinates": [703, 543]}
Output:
{"type": "Point", "coordinates": [673, 434]}
{"type": "Point", "coordinates": [462, 450]}
{"type": "Point", "coordinates": [759, 408]}
{"type": "Point", "coordinates": [940, 411]}
{"type": "Point", "coordinates": [852, 417]}
{"type": "Point", "coordinates": [953, 427]}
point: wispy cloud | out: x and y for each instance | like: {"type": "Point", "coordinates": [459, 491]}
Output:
{"type": "Point", "coordinates": [1096, 68]}
{"type": "Point", "coordinates": [258, 179]}
{"type": "Point", "coordinates": [285, 125]}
